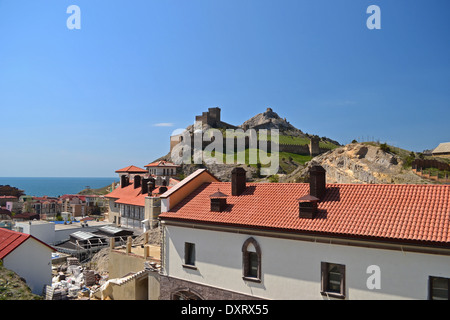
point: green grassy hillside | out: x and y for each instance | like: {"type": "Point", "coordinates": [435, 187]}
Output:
{"type": "Point", "coordinates": [13, 287]}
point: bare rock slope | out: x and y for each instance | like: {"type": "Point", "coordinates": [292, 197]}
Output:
{"type": "Point", "coordinates": [359, 163]}
{"type": "Point", "coordinates": [270, 120]}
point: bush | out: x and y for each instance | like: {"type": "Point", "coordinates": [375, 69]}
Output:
{"type": "Point", "coordinates": [385, 147]}
{"type": "Point", "coordinates": [409, 159]}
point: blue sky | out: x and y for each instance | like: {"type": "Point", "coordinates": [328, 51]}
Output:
{"type": "Point", "coordinates": [86, 102]}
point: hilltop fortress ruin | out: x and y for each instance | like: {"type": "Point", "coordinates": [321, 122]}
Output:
{"type": "Point", "coordinates": [268, 120]}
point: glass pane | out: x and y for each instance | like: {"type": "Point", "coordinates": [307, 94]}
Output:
{"type": "Point", "coordinates": [190, 253]}
{"type": "Point", "coordinates": [253, 264]}
{"type": "Point", "coordinates": [334, 279]}
{"type": "Point", "coordinates": [439, 289]}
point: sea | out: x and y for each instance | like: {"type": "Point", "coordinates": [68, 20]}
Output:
{"type": "Point", "coordinates": [55, 187]}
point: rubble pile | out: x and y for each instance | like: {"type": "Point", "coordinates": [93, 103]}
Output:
{"type": "Point", "coordinates": [73, 281]}
{"type": "Point", "coordinates": [154, 237]}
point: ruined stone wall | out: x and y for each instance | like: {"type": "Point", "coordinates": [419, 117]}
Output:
{"type": "Point", "coordinates": [313, 149]}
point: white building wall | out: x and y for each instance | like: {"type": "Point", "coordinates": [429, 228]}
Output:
{"type": "Point", "coordinates": [113, 211]}
{"type": "Point", "coordinates": [32, 261]}
{"type": "Point", "coordinates": [291, 269]}
{"type": "Point", "coordinates": [44, 231]}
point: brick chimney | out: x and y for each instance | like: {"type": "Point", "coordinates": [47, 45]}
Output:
{"type": "Point", "coordinates": [238, 181]}
{"type": "Point", "coordinates": [317, 181]}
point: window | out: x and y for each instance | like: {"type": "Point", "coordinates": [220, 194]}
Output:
{"type": "Point", "coordinates": [252, 265]}
{"type": "Point", "coordinates": [333, 280]}
{"type": "Point", "coordinates": [251, 260]}
{"type": "Point", "coordinates": [438, 288]}
{"type": "Point", "coordinates": [189, 255]}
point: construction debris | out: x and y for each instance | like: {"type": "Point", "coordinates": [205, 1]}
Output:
{"type": "Point", "coordinates": [89, 277]}
{"type": "Point", "coordinates": [73, 281]}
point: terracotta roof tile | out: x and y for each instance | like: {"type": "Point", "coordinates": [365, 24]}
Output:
{"type": "Point", "coordinates": [162, 163]}
{"type": "Point", "coordinates": [131, 196]}
{"type": "Point", "coordinates": [404, 212]}
{"type": "Point", "coordinates": [132, 169]}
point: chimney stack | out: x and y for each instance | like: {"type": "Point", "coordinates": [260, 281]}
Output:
{"type": "Point", "coordinates": [317, 181]}
{"type": "Point", "coordinates": [238, 181]}
{"type": "Point", "coordinates": [124, 181]}
{"type": "Point", "coordinates": [137, 181]}
{"type": "Point", "coordinates": [307, 206]}
{"type": "Point", "coordinates": [218, 201]}
{"type": "Point", "coordinates": [162, 189]}
{"type": "Point", "coordinates": [151, 184]}
{"type": "Point", "coordinates": [144, 186]}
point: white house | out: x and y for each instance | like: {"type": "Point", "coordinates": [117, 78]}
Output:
{"type": "Point", "coordinates": [27, 256]}
{"type": "Point", "coordinates": [135, 203]}
{"type": "Point", "coordinates": [40, 229]}
{"type": "Point", "coordinates": [305, 241]}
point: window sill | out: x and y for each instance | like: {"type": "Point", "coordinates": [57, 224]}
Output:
{"type": "Point", "coordinates": [189, 266]}
{"type": "Point", "coordinates": [332, 295]}
{"type": "Point", "coordinates": [252, 279]}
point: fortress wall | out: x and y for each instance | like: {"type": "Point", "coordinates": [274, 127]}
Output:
{"type": "Point", "coordinates": [291, 148]}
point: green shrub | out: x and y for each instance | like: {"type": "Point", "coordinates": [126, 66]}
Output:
{"type": "Point", "coordinates": [385, 147]}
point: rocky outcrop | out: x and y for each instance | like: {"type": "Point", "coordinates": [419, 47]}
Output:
{"type": "Point", "coordinates": [269, 120]}
{"type": "Point", "coordinates": [358, 163]}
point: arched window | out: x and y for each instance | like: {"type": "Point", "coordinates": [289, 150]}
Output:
{"type": "Point", "coordinates": [186, 294]}
{"type": "Point", "coordinates": [251, 260]}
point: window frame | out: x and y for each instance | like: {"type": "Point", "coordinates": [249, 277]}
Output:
{"type": "Point", "coordinates": [246, 261]}
{"type": "Point", "coordinates": [430, 286]}
{"type": "Point", "coordinates": [189, 256]}
{"type": "Point", "coordinates": [325, 278]}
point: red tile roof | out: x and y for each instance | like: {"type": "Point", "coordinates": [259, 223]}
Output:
{"type": "Point", "coordinates": [5, 211]}
{"type": "Point", "coordinates": [26, 215]}
{"type": "Point", "coordinates": [401, 212]}
{"type": "Point", "coordinates": [131, 196]}
{"type": "Point", "coordinates": [162, 163]}
{"type": "Point", "coordinates": [72, 196]}
{"type": "Point", "coordinates": [132, 169]}
{"type": "Point", "coordinates": [10, 240]}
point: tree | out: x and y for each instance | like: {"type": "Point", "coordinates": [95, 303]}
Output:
{"type": "Point", "coordinates": [410, 158]}
{"type": "Point", "coordinates": [10, 191]}
{"type": "Point", "coordinates": [96, 210]}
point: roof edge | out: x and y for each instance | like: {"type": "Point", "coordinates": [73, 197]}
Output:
{"type": "Point", "coordinates": [307, 233]}
{"type": "Point", "coordinates": [186, 181]}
